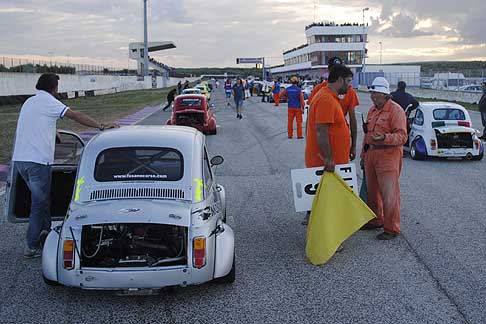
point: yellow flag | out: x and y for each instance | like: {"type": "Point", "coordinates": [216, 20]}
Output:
{"type": "Point", "coordinates": [336, 214]}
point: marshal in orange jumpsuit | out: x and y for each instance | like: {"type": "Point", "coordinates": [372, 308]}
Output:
{"type": "Point", "coordinates": [348, 101]}
{"type": "Point", "coordinates": [326, 109]}
{"type": "Point", "coordinates": [382, 153]}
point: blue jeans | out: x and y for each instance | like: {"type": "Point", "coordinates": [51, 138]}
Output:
{"type": "Point", "coordinates": [238, 102]}
{"type": "Point", "coordinates": [483, 121]}
{"type": "Point", "coordinates": [38, 179]}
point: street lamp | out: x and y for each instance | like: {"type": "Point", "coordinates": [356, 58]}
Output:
{"type": "Point", "coordinates": [364, 39]}
{"type": "Point", "coordinates": [145, 45]}
{"type": "Point", "coordinates": [381, 52]}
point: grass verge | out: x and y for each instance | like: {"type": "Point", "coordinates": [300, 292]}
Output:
{"type": "Point", "coordinates": [107, 108]}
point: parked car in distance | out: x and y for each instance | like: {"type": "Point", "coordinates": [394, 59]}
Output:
{"type": "Point", "coordinates": [471, 88]}
{"type": "Point", "coordinates": [146, 212]}
{"type": "Point", "coordinates": [204, 90]}
{"type": "Point", "coordinates": [194, 111]}
{"type": "Point", "coordinates": [191, 91]}
{"type": "Point", "coordinates": [442, 129]}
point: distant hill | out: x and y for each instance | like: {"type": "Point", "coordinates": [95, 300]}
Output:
{"type": "Point", "coordinates": [468, 68]}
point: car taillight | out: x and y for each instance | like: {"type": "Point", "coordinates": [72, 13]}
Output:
{"type": "Point", "coordinates": [464, 123]}
{"type": "Point", "coordinates": [476, 143]}
{"type": "Point", "coordinates": [199, 252]}
{"type": "Point", "coordinates": [68, 254]}
{"type": "Point", "coordinates": [433, 144]}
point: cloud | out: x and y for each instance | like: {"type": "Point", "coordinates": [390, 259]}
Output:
{"type": "Point", "coordinates": [214, 33]}
{"type": "Point", "coordinates": [399, 25]}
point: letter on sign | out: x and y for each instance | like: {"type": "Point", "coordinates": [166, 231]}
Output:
{"type": "Point", "coordinates": [306, 181]}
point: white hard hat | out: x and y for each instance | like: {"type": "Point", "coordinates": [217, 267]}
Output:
{"type": "Point", "coordinates": [380, 85]}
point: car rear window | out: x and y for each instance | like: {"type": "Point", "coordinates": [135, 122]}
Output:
{"type": "Point", "coordinates": [190, 102]}
{"type": "Point", "coordinates": [449, 114]}
{"type": "Point", "coordinates": [138, 164]}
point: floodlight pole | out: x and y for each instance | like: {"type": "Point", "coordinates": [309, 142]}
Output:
{"type": "Point", "coordinates": [263, 69]}
{"type": "Point", "coordinates": [145, 37]}
{"type": "Point", "coordinates": [364, 41]}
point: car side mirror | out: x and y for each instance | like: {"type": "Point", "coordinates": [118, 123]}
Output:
{"type": "Point", "coordinates": [216, 160]}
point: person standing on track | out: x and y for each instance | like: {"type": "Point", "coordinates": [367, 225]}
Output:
{"type": "Point", "coordinates": [327, 133]}
{"type": "Point", "coordinates": [381, 156]}
{"type": "Point", "coordinates": [33, 153]}
{"type": "Point", "coordinates": [295, 100]}
{"type": "Point", "coordinates": [348, 101]}
{"type": "Point", "coordinates": [403, 98]}
{"type": "Point", "coordinates": [276, 92]}
{"type": "Point", "coordinates": [239, 96]}
{"type": "Point", "coordinates": [227, 90]}
{"type": "Point", "coordinates": [482, 109]}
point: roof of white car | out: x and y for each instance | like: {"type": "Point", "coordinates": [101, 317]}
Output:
{"type": "Point", "coordinates": [440, 104]}
{"type": "Point", "coordinates": [146, 136]}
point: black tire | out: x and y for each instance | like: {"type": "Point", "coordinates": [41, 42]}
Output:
{"type": "Point", "coordinates": [414, 153]}
{"type": "Point", "coordinates": [50, 282]}
{"type": "Point", "coordinates": [230, 277]}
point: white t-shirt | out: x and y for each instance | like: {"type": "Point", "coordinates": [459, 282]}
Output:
{"type": "Point", "coordinates": [36, 129]}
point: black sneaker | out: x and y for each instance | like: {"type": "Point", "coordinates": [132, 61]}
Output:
{"type": "Point", "coordinates": [385, 236]}
{"type": "Point", "coordinates": [370, 226]}
{"type": "Point", "coordinates": [241, 116]}
{"type": "Point", "coordinates": [32, 253]}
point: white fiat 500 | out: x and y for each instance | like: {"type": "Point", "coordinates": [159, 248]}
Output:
{"type": "Point", "coordinates": [442, 129]}
{"type": "Point", "coordinates": [146, 212]}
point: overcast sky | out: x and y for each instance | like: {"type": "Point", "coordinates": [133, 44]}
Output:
{"type": "Point", "coordinates": [214, 32]}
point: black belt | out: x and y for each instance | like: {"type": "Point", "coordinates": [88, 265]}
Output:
{"type": "Point", "coordinates": [380, 147]}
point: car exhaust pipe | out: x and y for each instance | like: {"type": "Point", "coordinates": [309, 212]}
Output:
{"type": "Point", "coordinates": [469, 156]}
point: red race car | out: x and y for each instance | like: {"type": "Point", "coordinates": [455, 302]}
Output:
{"type": "Point", "coordinates": [193, 110]}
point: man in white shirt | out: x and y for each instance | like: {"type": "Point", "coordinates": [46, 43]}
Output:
{"type": "Point", "coordinates": [34, 153]}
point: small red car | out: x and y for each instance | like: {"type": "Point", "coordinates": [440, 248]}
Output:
{"type": "Point", "coordinates": [193, 110]}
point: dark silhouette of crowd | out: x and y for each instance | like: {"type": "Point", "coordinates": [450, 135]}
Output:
{"type": "Point", "coordinates": [332, 24]}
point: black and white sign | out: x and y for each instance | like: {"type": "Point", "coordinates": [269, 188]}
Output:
{"type": "Point", "coordinates": [249, 60]}
{"type": "Point", "coordinates": [306, 181]}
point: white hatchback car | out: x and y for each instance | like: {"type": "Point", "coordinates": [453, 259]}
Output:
{"type": "Point", "coordinates": [144, 212]}
{"type": "Point", "coordinates": [191, 91]}
{"type": "Point", "coordinates": [442, 129]}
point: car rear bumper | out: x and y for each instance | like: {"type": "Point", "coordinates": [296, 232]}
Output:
{"type": "Point", "coordinates": [456, 152]}
{"type": "Point", "coordinates": [110, 279]}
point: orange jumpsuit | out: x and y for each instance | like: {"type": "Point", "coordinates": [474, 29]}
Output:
{"type": "Point", "coordinates": [383, 163]}
{"type": "Point", "coordinates": [326, 109]}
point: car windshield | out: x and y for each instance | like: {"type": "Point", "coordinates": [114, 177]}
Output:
{"type": "Point", "coordinates": [449, 114]}
{"type": "Point", "coordinates": [139, 163]}
{"type": "Point", "coordinates": [190, 102]}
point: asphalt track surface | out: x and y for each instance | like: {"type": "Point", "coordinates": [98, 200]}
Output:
{"type": "Point", "coordinates": [432, 273]}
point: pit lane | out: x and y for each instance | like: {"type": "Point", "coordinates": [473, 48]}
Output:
{"type": "Point", "coordinates": [433, 273]}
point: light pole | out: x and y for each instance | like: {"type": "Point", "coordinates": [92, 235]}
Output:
{"type": "Point", "coordinates": [145, 45]}
{"type": "Point", "coordinates": [364, 39]}
{"type": "Point", "coordinates": [381, 52]}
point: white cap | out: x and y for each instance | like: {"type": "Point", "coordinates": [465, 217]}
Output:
{"type": "Point", "coordinates": [380, 85]}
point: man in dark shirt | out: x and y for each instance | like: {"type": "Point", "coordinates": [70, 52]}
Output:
{"type": "Point", "coordinates": [482, 109]}
{"type": "Point", "coordinates": [404, 99]}
{"type": "Point", "coordinates": [170, 98]}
